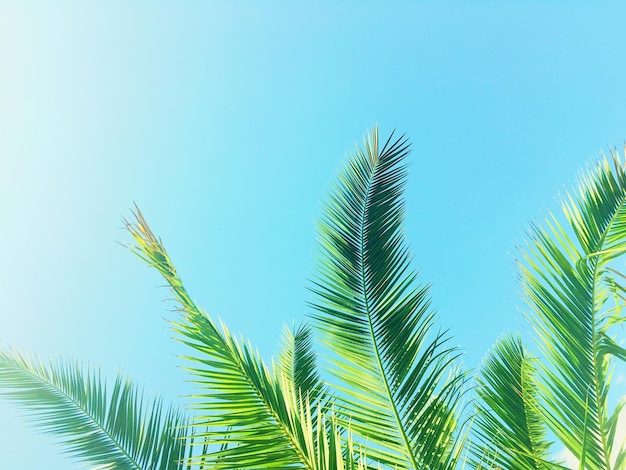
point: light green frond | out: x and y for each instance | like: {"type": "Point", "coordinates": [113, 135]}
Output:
{"type": "Point", "coordinates": [101, 427]}
{"type": "Point", "coordinates": [564, 279]}
{"type": "Point", "coordinates": [508, 427]}
{"type": "Point", "coordinates": [617, 449]}
{"type": "Point", "coordinates": [323, 435]}
{"type": "Point", "coordinates": [243, 402]}
{"type": "Point", "coordinates": [376, 320]}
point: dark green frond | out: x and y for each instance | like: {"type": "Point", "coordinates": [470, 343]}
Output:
{"type": "Point", "coordinates": [377, 322]}
{"type": "Point", "coordinates": [109, 428]}
{"type": "Point", "coordinates": [297, 362]}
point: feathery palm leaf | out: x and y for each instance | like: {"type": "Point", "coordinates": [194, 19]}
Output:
{"type": "Point", "coordinates": [325, 438]}
{"type": "Point", "coordinates": [402, 387]}
{"type": "Point", "coordinates": [109, 429]}
{"type": "Point", "coordinates": [297, 363]}
{"type": "Point", "coordinates": [508, 426]}
{"type": "Point", "coordinates": [249, 410]}
{"type": "Point", "coordinates": [564, 280]}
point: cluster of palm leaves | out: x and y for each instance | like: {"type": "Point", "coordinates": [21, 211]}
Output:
{"type": "Point", "coordinates": [392, 393]}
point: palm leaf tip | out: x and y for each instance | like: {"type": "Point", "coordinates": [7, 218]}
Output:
{"type": "Point", "coordinates": [147, 246]}
{"type": "Point", "coordinates": [376, 321]}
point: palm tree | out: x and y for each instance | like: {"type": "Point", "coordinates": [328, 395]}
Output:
{"type": "Point", "coordinates": [393, 393]}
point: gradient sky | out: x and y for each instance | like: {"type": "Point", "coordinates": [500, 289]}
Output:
{"type": "Point", "coordinates": [226, 123]}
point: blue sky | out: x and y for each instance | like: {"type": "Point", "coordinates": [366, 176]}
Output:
{"type": "Point", "coordinates": [226, 123]}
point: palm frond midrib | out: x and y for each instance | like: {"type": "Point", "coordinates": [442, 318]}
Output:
{"type": "Point", "coordinates": [362, 254]}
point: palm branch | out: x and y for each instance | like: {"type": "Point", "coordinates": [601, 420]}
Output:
{"type": "Point", "coordinates": [567, 276]}
{"type": "Point", "coordinates": [401, 387]}
{"type": "Point", "coordinates": [262, 418]}
{"type": "Point", "coordinates": [508, 428]}
{"type": "Point", "coordinates": [297, 364]}
{"type": "Point", "coordinates": [111, 429]}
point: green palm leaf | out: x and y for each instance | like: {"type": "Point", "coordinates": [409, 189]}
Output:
{"type": "Point", "coordinates": [566, 278]}
{"type": "Point", "coordinates": [252, 413]}
{"type": "Point", "coordinates": [115, 429]}
{"type": "Point", "coordinates": [508, 426]}
{"type": "Point", "coordinates": [297, 363]}
{"type": "Point", "coordinates": [328, 443]}
{"type": "Point", "coordinates": [402, 389]}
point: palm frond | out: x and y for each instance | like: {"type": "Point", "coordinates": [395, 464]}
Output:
{"type": "Point", "coordinates": [297, 363]}
{"type": "Point", "coordinates": [109, 429]}
{"type": "Point", "coordinates": [323, 435]}
{"type": "Point", "coordinates": [377, 322]}
{"type": "Point", "coordinates": [509, 429]}
{"type": "Point", "coordinates": [249, 412]}
{"type": "Point", "coordinates": [564, 280]}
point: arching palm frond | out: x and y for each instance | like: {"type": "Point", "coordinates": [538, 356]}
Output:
{"type": "Point", "coordinates": [564, 279]}
{"type": "Point", "coordinates": [113, 429]}
{"type": "Point", "coordinates": [508, 427]}
{"type": "Point", "coordinates": [249, 411]}
{"type": "Point", "coordinates": [402, 387]}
